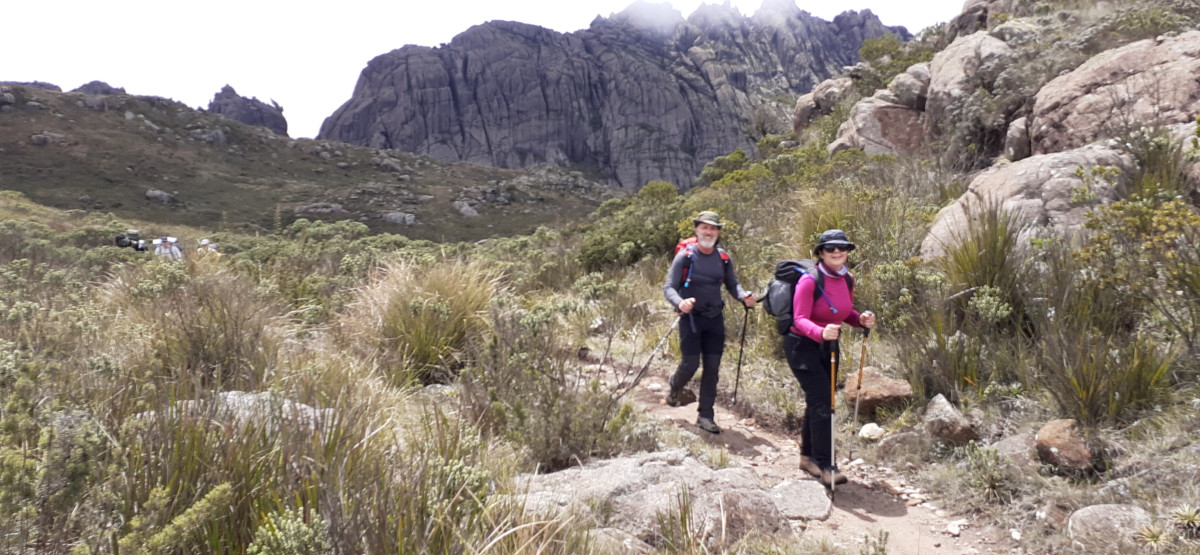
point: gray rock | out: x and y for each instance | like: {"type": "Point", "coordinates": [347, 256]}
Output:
{"type": "Point", "coordinates": [402, 218]}
{"type": "Point", "coordinates": [900, 445]}
{"type": "Point", "coordinates": [250, 111]}
{"type": "Point", "coordinates": [635, 492]}
{"type": "Point", "coordinates": [909, 91]}
{"type": "Point", "coordinates": [241, 409]}
{"type": "Point", "coordinates": [613, 540]}
{"type": "Point", "coordinates": [161, 197]}
{"type": "Point", "coordinates": [638, 101]}
{"type": "Point", "coordinates": [880, 127]}
{"type": "Point", "coordinates": [1039, 190]}
{"type": "Point", "coordinates": [946, 423]}
{"type": "Point", "coordinates": [1020, 449]}
{"type": "Point", "coordinates": [1146, 83]}
{"type": "Point", "coordinates": [969, 63]}
{"type": "Point", "coordinates": [321, 208]}
{"type": "Point", "coordinates": [1107, 527]}
{"type": "Point", "coordinates": [1016, 141]}
{"type": "Point", "coordinates": [215, 137]}
{"type": "Point", "coordinates": [465, 208]}
{"type": "Point", "coordinates": [99, 88]}
{"type": "Point", "coordinates": [7, 98]}
{"type": "Point", "coordinates": [803, 500]}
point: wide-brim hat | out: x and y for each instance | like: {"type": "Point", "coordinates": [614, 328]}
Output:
{"type": "Point", "coordinates": [708, 217]}
{"type": "Point", "coordinates": [834, 237]}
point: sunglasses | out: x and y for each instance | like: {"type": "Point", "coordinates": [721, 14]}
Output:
{"type": "Point", "coordinates": [835, 248]}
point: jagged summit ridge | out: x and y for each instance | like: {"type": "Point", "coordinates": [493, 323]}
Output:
{"type": "Point", "coordinates": [642, 95]}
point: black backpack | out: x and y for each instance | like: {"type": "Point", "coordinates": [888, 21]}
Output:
{"type": "Point", "coordinates": [778, 300]}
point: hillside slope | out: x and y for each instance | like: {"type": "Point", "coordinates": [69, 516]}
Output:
{"type": "Point", "coordinates": [106, 152]}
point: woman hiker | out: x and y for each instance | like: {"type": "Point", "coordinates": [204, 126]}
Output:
{"type": "Point", "coordinates": [816, 326]}
{"type": "Point", "coordinates": [693, 287]}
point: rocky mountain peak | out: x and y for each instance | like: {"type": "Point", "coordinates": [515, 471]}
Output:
{"type": "Point", "coordinates": [642, 95]}
{"type": "Point", "coordinates": [250, 111]}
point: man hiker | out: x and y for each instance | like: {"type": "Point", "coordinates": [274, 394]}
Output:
{"type": "Point", "coordinates": [693, 287]}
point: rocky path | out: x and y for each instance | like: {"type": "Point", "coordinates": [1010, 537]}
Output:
{"type": "Point", "coordinates": [875, 500]}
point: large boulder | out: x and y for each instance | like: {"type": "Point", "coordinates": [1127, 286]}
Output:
{"type": "Point", "coordinates": [879, 125]}
{"type": "Point", "coordinates": [633, 493]}
{"type": "Point", "coordinates": [820, 101]}
{"type": "Point", "coordinates": [1110, 528]}
{"type": "Point", "coordinates": [642, 95]}
{"type": "Point", "coordinates": [1146, 83]}
{"type": "Point", "coordinates": [250, 111]}
{"type": "Point", "coordinates": [912, 87]}
{"type": "Point", "coordinates": [1049, 191]}
{"type": "Point", "coordinates": [969, 63]}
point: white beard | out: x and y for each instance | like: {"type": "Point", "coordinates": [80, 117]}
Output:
{"type": "Point", "coordinates": [706, 243]}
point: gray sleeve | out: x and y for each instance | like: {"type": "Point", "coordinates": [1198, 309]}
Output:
{"type": "Point", "coordinates": [675, 280]}
{"type": "Point", "coordinates": [732, 285]}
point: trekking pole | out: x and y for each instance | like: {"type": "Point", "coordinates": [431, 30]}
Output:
{"type": "Point", "coordinates": [833, 362]}
{"type": "Point", "coordinates": [738, 379]}
{"type": "Point", "coordinates": [642, 372]}
{"type": "Point", "coordinates": [862, 361]}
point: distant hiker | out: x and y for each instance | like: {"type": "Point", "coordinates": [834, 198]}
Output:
{"type": "Point", "coordinates": [168, 248]}
{"type": "Point", "coordinates": [207, 248]}
{"type": "Point", "coordinates": [817, 318]}
{"type": "Point", "coordinates": [131, 239]}
{"type": "Point", "coordinates": [693, 286]}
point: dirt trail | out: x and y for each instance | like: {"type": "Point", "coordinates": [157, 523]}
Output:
{"type": "Point", "coordinates": [861, 509]}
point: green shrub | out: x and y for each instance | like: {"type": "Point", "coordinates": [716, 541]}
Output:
{"type": "Point", "coordinates": [623, 232]}
{"type": "Point", "coordinates": [527, 385]}
{"type": "Point", "coordinates": [722, 165]}
{"type": "Point", "coordinates": [291, 533]}
{"type": "Point", "coordinates": [1101, 379]}
{"type": "Point", "coordinates": [888, 56]}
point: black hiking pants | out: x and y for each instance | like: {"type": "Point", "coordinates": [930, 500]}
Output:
{"type": "Point", "coordinates": [700, 338]}
{"type": "Point", "coordinates": [809, 361]}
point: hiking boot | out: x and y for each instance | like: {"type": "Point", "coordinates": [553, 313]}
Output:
{"type": "Point", "coordinates": [809, 465]}
{"type": "Point", "coordinates": [673, 398]}
{"type": "Point", "coordinates": [831, 476]}
{"type": "Point", "coordinates": [708, 425]}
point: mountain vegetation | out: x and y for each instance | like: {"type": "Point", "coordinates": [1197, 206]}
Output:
{"type": "Point", "coordinates": [329, 386]}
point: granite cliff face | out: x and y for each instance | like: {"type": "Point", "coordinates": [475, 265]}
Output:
{"type": "Point", "coordinates": [643, 95]}
{"type": "Point", "coordinates": [250, 111]}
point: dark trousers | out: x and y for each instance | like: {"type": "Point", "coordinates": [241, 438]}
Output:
{"type": "Point", "coordinates": [700, 338]}
{"type": "Point", "coordinates": [809, 361]}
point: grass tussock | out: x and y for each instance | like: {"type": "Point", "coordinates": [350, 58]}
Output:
{"type": "Point", "coordinates": [414, 321]}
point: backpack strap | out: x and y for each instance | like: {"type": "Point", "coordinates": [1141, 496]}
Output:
{"type": "Point", "coordinates": [691, 258]}
{"type": "Point", "coordinates": [819, 290]}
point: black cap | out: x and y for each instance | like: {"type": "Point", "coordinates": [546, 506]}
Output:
{"type": "Point", "coordinates": [833, 237]}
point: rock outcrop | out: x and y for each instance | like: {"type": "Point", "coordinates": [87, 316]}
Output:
{"type": "Point", "coordinates": [1145, 83]}
{"type": "Point", "coordinates": [632, 494]}
{"type": "Point", "coordinates": [99, 87]}
{"type": "Point", "coordinates": [250, 111]}
{"type": "Point", "coordinates": [642, 95]}
{"type": "Point", "coordinates": [1041, 191]}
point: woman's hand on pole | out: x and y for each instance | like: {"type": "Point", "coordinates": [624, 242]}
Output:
{"type": "Point", "coordinates": [831, 332]}
{"type": "Point", "coordinates": [867, 319]}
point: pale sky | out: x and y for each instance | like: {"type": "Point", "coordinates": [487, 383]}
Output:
{"type": "Point", "coordinates": [305, 56]}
